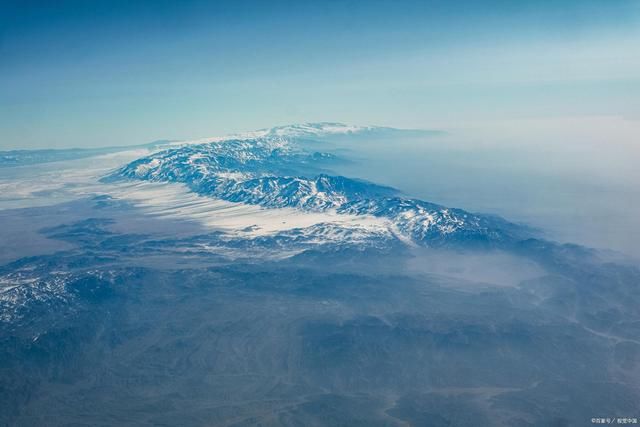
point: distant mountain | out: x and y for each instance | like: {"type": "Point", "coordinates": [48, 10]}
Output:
{"type": "Point", "coordinates": [299, 131]}
{"type": "Point", "coordinates": [274, 168]}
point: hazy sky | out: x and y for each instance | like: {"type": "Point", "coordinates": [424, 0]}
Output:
{"type": "Point", "coordinates": [95, 73]}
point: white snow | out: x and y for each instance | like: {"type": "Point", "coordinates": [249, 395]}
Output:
{"type": "Point", "coordinates": [177, 201]}
{"type": "Point", "coordinates": [306, 129]}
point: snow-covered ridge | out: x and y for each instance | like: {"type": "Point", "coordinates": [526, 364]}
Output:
{"type": "Point", "coordinates": [288, 131]}
{"type": "Point", "coordinates": [274, 168]}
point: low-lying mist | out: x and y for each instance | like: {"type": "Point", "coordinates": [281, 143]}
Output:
{"type": "Point", "coordinates": [575, 179]}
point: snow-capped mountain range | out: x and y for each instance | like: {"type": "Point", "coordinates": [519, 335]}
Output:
{"type": "Point", "coordinates": [276, 168]}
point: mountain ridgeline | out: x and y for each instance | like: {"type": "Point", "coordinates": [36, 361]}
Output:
{"type": "Point", "coordinates": [277, 168]}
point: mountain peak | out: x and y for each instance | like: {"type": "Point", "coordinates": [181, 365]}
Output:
{"type": "Point", "coordinates": [299, 130]}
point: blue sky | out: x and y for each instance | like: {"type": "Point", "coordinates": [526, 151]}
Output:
{"type": "Point", "coordinates": [95, 73]}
